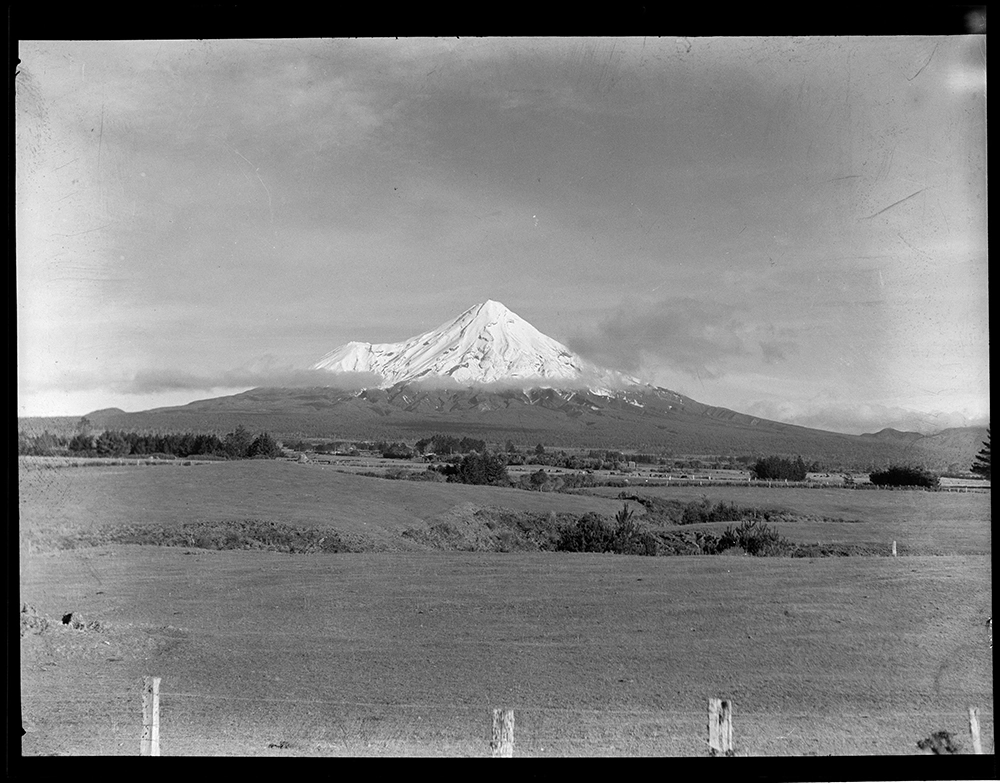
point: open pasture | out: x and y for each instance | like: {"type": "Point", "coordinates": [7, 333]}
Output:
{"type": "Point", "coordinates": [406, 653]}
{"type": "Point", "coordinates": [368, 512]}
{"type": "Point", "coordinates": [387, 653]}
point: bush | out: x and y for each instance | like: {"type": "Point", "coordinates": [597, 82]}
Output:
{"type": "Point", "coordinates": [779, 468]}
{"type": "Point", "coordinates": [679, 543]}
{"type": "Point", "coordinates": [704, 510]}
{"type": "Point", "coordinates": [903, 476]}
{"type": "Point", "coordinates": [590, 533]}
{"type": "Point", "coordinates": [629, 537]}
{"type": "Point", "coordinates": [754, 538]}
{"type": "Point", "coordinates": [594, 533]}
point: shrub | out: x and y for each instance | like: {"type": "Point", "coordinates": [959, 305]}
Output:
{"type": "Point", "coordinates": [629, 537]}
{"type": "Point", "coordinates": [708, 543]}
{"type": "Point", "coordinates": [903, 476]}
{"type": "Point", "coordinates": [703, 510]}
{"type": "Point", "coordinates": [779, 468]}
{"type": "Point", "coordinates": [594, 533]}
{"type": "Point", "coordinates": [538, 479]}
{"type": "Point", "coordinates": [677, 543]}
{"type": "Point", "coordinates": [755, 538]}
{"type": "Point", "coordinates": [590, 533]}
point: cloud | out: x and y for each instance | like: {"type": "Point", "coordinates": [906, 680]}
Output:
{"type": "Point", "coordinates": [858, 418]}
{"type": "Point", "coordinates": [260, 373]}
{"type": "Point", "coordinates": [695, 336]}
{"type": "Point", "coordinates": [774, 351]}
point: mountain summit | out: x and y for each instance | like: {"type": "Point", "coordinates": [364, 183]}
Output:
{"type": "Point", "coordinates": [486, 344]}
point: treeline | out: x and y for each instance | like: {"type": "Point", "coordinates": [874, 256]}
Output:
{"type": "Point", "coordinates": [450, 448]}
{"type": "Point", "coordinates": [439, 445]}
{"type": "Point", "coordinates": [475, 468]}
{"type": "Point", "coordinates": [904, 476]}
{"type": "Point", "coordinates": [449, 444]}
{"type": "Point", "coordinates": [238, 444]}
{"type": "Point", "coordinates": [780, 469]}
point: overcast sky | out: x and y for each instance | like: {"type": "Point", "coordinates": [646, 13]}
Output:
{"type": "Point", "coordinates": [789, 227]}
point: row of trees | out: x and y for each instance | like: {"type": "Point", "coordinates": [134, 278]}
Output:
{"type": "Point", "coordinates": [904, 476]}
{"type": "Point", "coordinates": [475, 468]}
{"type": "Point", "coordinates": [449, 444]}
{"type": "Point", "coordinates": [780, 469]}
{"type": "Point", "coordinates": [238, 444]}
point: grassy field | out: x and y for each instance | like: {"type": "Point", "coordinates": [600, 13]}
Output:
{"type": "Point", "coordinates": [369, 512]}
{"type": "Point", "coordinates": [389, 653]}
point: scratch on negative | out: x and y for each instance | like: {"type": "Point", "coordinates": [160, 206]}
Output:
{"type": "Point", "coordinates": [100, 140]}
{"type": "Point", "coordinates": [838, 179]}
{"type": "Point", "coordinates": [895, 204]}
{"type": "Point", "coordinates": [88, 231]}
{"type": "Point", "coordinates": [910, 79]}
{"type": "Point", "coordinates": [257, 174]}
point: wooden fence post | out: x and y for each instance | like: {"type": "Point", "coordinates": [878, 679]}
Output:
{"type": "Point", "coordinates": [720, 727]}
{"type": "Point", "coordinates": [502, 740]}
{"type": "Point", "coordinates": [977, 744]}
{"type": "Point", "coordinates": [150, 742]}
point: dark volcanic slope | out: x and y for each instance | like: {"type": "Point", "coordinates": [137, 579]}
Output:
{"type": "Point", "coordinates": [656, 419]}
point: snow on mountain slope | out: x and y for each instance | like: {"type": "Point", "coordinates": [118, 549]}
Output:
{"type": "Point", "coordinates": [486, 344]}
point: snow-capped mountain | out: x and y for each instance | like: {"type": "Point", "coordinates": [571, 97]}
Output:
{"type": "Point", "coordinates": [493, 374]}
{"type": "Point", "coordinates": [486, 344]}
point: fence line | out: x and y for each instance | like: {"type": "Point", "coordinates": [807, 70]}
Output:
{"type": "Point", "coordinates": [719, 725]}
{"type": "Point", "coordinates": [977, 745]}
{"type": "Point", "coordinates": [528, 708]}
{"type": "Point", "coordinates": [150, 741]}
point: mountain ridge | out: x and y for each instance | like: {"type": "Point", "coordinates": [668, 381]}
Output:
{"type": "Point", "coordinates": [487, 343]}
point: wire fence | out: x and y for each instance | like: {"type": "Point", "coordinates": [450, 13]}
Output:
{"type": "Point", "coordinates": [189, 722]}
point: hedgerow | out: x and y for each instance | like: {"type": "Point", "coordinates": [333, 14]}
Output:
{"type": "Point", "coordinates": [904, 476]}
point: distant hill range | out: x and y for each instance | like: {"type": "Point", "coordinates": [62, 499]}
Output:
{"type": "Point", "coordinates": [654, 420]}
{"type": "Point", "coordinates": [491, 375]}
